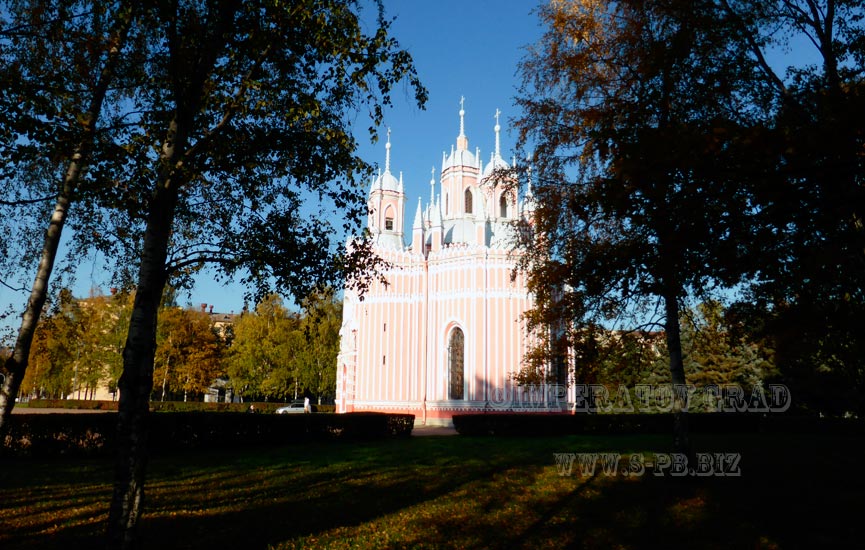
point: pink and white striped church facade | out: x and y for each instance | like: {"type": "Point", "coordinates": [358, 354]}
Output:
{"type": "Point", "coordinates": [445, 334]}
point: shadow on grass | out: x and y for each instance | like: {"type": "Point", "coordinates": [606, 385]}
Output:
{"type": "Point", "coordinates": [455, 492]}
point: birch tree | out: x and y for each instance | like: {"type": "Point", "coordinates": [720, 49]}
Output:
{"type": "Point", "coordinates": [258, 100]}
{"type": "Point", "coordinates": [59, 63]}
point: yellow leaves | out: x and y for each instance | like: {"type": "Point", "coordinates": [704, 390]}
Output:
{"type": "Point", "coordinates": [577, 21]}
{"type": "Point", "coordinates": [688, 512]}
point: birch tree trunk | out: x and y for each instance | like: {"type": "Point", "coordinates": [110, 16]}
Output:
{"type": "Point", "coordinates": [16, 365]}
{"type": "Point", "coordinates": [136, 382]}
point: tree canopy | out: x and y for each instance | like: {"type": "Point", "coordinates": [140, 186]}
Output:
{"type": "Point", "coordinates": [226, 138]}
{"type": "Point", "coordinates": [282, 355]}
{"type": "Point", "coordinates": [635, 206]}
{"type": "Point", "coordinates": [246, 117]}
{"type": "Point", "coordinates": [675, 164]}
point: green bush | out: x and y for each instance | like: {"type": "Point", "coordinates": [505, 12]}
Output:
{"type": "Point", "coordinates": [82, 404]}
{"type": "Point", "coordinates": [522, 424]}
{"type": "Point", "coordinates": [95, 434]}
{"type": "Point", "coordinates": [39, 435]}
{"type": "Point", "coordinates": [166, 406]}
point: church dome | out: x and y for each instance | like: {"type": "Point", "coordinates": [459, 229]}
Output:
{"type": "Point", "coordinates": [460, 231]}
{"type": "Point", "coordinates": [386, 182]}
{"type": "Point", "coordinates": [460, 157]}
{"type": "Point", "coordinates": [496, 162]}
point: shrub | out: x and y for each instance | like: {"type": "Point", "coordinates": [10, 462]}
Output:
{"type": "Point", "coordinates": [167, 406]}
{"type": "Point", "coordinates": [94, 434]}
{"type": "Point", "coordinates": [58, 434]}
{"type": "Point", "coordinates": [521, 424]}
{"type": "Point", "coordinates": [82, 404]}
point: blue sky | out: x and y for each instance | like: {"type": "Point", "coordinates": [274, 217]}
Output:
{"type": "Point", "coordinates": [461, 49]}
{"type": "Point", "coordinates": [467, 48]}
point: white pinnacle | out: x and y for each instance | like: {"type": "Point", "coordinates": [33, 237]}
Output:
{"type": "Point", "coordinates": [462, 116]}
{"type": "Point", "coordinates": [432, 183]}
{"type": "Point", "coordinates": [497, 129]}
{"type": "Point", "coordinates": [387, 154]}
{"type": "Point", "coordinates": [418, 217]}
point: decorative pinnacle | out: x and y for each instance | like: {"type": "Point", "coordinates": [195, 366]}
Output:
{"type": "Point", "coordinates": [462, 116]}
{"type": "Point", "coordinates": [497, 129]}
{"type": "Point", "coordinates": [432, 183]}
{"type": "Point", "coordinates": [418, 217]}
{"type": "Point", "coordinates": [387, 154]}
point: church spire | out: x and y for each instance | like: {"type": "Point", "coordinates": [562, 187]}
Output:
{"type": "Point", "coordinates": [432, 184]}
{"type": "Point", "coordinates": [436, 215]}
{"type": "Point", "coordinates": [498, 129]}
{"type": "Point", "coordinates": [462, 117]}
{"type": "Point", "coordinates": [418, 217]}
{"type": "Point", "coordinates": [387, 154]}
{"type": "Point", "coordinates": [462, 140]}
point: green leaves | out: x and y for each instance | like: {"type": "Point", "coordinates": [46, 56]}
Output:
{"type": "Point", "coordinates": [276, 354]}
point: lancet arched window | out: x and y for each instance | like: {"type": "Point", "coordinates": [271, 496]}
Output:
{"type": "Point", "coordinates": [469, 199]}
{"type": "Point", "coordinates": [503, 206]}
{"type": "Point", "coordinates": [388, 219]}
{"type": "Point", "coordinates": [456, 364]}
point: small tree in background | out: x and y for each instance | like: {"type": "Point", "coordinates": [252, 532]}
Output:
{"type": "Point", "coordinates": [259, 363]}
{"type": "Point", "coordinates": [188, 354]}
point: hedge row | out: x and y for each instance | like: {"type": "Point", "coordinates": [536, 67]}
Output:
{"type": "Point", "coordinates": [571, 424]}
{"type": "Point", "coordinates": [166, 406]}
{"type": "Point", "coordinates": [95, 434]}
{"type": "Point", "coordinates": [82, 404]}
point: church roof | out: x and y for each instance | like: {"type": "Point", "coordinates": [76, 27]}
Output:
{"type": "Point", "coordinates": [496, 162]}
{"type": "Point", "coordinates": [459, 157]}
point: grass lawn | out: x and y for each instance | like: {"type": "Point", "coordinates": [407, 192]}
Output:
{"type": "Point", "coordinates": [452, 492]}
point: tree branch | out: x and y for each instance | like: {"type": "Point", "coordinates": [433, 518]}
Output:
{"type": "Point", "coordinates": [21, 289]}
{"type": "Point", "coordinates": [205, 257]}
{"type": "Point", "coordinates": [22, 202]}
{"type": "Point", "coordinates": [211, 134]}
{"type": "Point", "coordinates": [758, 53]}
{"type": "Point", "coordinates": [13, 31]}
